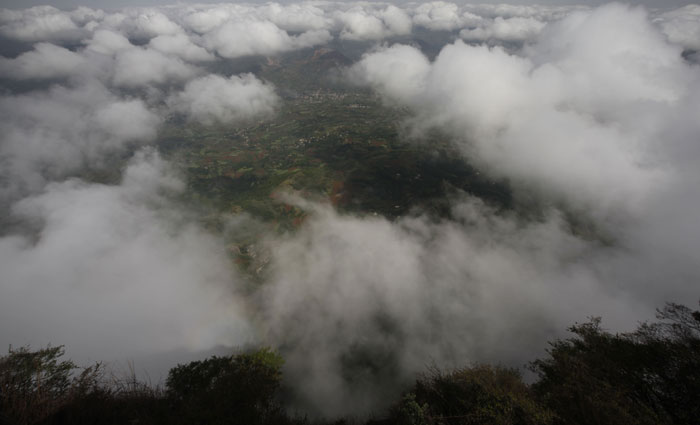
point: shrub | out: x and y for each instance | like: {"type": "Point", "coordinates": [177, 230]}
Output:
{"type": "Point", "coordinates": [35, 384]}
{"type": "Point", "coordinates": [477, 395]}
{"type": "Point", "coordinates": [238, 389]}
{"type": "Point", "coordinates": [650, 376]}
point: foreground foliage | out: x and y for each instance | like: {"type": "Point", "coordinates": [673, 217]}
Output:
{"type": "Point", "coordinates": [649, 376]}
{"type": "Point", "coordinates": [237, 389]}
{"type": "Point", "coordinates": [481, 394]}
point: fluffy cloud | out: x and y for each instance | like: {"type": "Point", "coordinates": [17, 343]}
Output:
{"type": "Point", "coordinates": [142, 67]}
{"type": "Point", "coordinates": [202, 19]}
{"type": "Point", "coordinates": [507, 11]}
{"type": "Point", "coordinates": [47, 134]}
{"type": "Point", "coordinates": [114, 272]}
{"type": "Point", "coordinates": [443, 16]}
{"type": "Point", "coordinates": [180, 45]}
{"type": "Point", "coordinates": [298, 17]}
{"type": "Point", "coordinates": [597, 127]}
{"type": "Point", "coordinates": [45, 61]}
{"type": "Point", "coordinates": [682, 26]}
{"type": "Point", "coordinates": [107, 42]}
{"type": "Point", "coordinates": [213, 99]}
{"type": "Point", "coordinates": [142, 23]}
{"type": "Point", "coordinates": [362, 304]}
{"type": "Point", "coordinates": [359, 23]}
{"type": "Point", "coordinates": [571, 106]}
{"type": "Point", "coordinates": [41, 23]}
{"type": "Point", "coordinates": [399, 72]}
{"type": "Point", "coordinates": [510, 29]}
{"type": "Point", "coordinates": [235, 39]}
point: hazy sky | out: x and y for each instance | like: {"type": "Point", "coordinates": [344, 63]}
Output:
{"type": "Point", "coordinates": [109, 4]}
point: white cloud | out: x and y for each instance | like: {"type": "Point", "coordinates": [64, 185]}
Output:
{"type": "Point", "coordinates": [204, 19]}
{"type": "Point", "coordinates": [362, 304]}
{"type": "Point", "coordinates": [597, 120]}
{"type": "Point", "coordinates": [443, 16]}
{"type": "Point", "coordinates": [298, 17]}
{"type": "Point", "coordinates": [360, 23]}
{"type": "Point", "coordinates": [146, 23]}
{"type": "Point", "coordinates": [510, 29]}
{"type": "Point", "coordinates": [87, 17]}
{"type": "Point", "coordinates": [507, 11]}
{"type": "Point", "coordinates": [213, 99]}
{"type": "Point", "coordinates": [399, 72]}
{"type": "Point", "coordinates": [682, 26]}
{"type": "Point", "coordinates": [114, 272]}
{"type": "Point", "coordinates": [45, 61]}
{"type": "Point", "coordinates": [180, 45]}
{"type": "Point", "coordinates": [47, 134]}
{"type": "Point", "coordinates": [40, 23]}
{"type": "Point", "coordinates": [143, 67]}
{"type": "Point", "coordinates": [243, 38]}
{"type": "Point", "coordinates": [107, 42]}
{"type": "Point", "coordinates": [571, 106]}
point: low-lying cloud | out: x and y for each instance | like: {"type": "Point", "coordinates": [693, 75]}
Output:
{"type": "Point", "coordinates": [116, 272]}
{"type": "Point", "coordinates": [362, 304]}
{"type": "Point", "coordinates": [214, 99]}
{"type": "Point", "coordinates": [564, 117]}
{"type": "Point", "coordinates": [47, 134]}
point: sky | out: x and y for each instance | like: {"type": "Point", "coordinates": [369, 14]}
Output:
{"type": "Point", "coordinates": [591, 113]}
{"type": "Point", "coordinates": [104, 4]}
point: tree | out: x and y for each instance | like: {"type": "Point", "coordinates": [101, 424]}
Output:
{"type": "Point", "coordinates": [34, 384]}
{"type": "Point", "coordinates": [238, 389]}
{"type": "Point", "coordinates": [481, 394]}
{"type": "Point", "coordinates": [651, 375]}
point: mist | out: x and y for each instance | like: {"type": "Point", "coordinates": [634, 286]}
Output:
{"type": "Point", "coordinates": [590, 114]}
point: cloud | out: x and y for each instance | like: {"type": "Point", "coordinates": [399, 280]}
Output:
{"type": "Point", "coordinates": [138, 66]}
{"type": "Point", "coordinates": [598, 130]}
{"type": "Point", "coordinates": [142, 23]}
{"type": "Point", "coordinates": [510, 29]}
{"type": "Point", "coordinates": [107, 42]}
{"type": "Point", "coordinates": [547, 120]}
{"type": "Point", "coordinates": [236, 39]}
{"type": "Point", "coordinates": [682, 26]}
{"type": "Point", "coordinates": [180, 45]}
{"type": "Point", "coordinates": [47, 134]}
{"type": "Point", "coordinates": [442, 16]}
{"type": "Point", "coordinates": [487, 21]}
{"type": "Point", "coordinates": [203, 19]}
{"type": "Point", "coordinates": [115, 272]}
{"type": "Point", "coordinates": [215, 99]}
{"type": "Point", "coordinates": [359, 23]}
{"type": "Point", "coordinates": [398, 72]}
{"type": "Point", "coordinates": [41, 23]}
{"type": "Point", "coordinates": [538, 12]}
{"type": "Point", "coordinates": [360, 305]}
{"type": "Point", "coordinates": [46, 61]}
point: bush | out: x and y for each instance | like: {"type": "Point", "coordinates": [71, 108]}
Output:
{"type": "Point", "coordinates": [478, 395]}
{"type": "Point", "coordinates": [650, 376]}
{"type": "Point", "coordinates": [35, 384]}
{"type": "Point", "coordinates": [239, 389]}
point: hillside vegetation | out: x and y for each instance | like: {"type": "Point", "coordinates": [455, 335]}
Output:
{"type": "Point", "coordinates": [649, 376]}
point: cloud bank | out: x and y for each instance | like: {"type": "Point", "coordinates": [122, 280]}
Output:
{"type": "Point", "coordinates": [113, 271]}
{"type": "Point", "coordinates": [583, 124]}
